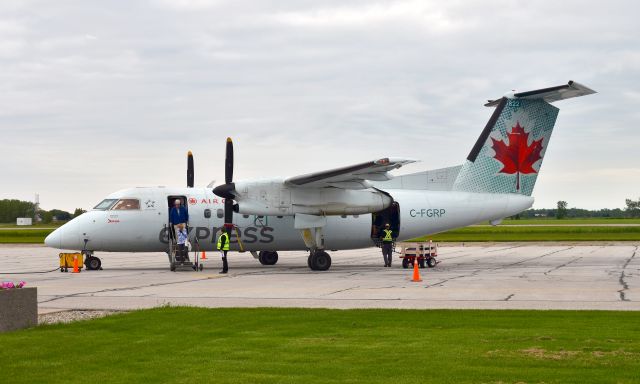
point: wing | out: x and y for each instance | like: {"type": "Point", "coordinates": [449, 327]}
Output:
{"type": "Point", "coordinates": [351, 177]}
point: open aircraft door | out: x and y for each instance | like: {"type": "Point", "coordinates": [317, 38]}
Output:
{"type": "Point", "coordinates": [389, 215]}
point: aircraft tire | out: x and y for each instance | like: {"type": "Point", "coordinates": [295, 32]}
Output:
{"type": "Point", "coordinates": [268, 257]}
{"type": "Point", "coordinates": [320, 261]}
{"type": "Point", "coordinates": [93, 263]}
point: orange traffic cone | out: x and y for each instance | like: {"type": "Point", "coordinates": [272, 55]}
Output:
{"type": "Point", "coordinates": [75, 264]}
{"type": "Point", "coordinates": [416, 271]}
{"type": "Point", "coordinates": [204, 256]}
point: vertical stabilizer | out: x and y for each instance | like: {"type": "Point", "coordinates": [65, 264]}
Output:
{"type": "Point", "coordinates": [508, 154]}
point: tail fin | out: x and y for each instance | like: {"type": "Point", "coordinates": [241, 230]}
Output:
{"type": "Point", "coordinates": [509, 152]}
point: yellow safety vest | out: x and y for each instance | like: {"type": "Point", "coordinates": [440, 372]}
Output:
{"type": "Point", "coordinates": [226, 244]}
{"type": "Point", "coordinates": [388, 235]}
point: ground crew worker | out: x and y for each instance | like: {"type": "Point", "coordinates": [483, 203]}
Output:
{"type": "Point", "coordinates": [223, 247]}
{"type": "Point", "coordinates": [387, 244]}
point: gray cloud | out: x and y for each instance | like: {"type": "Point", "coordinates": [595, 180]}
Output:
{"type": "Point", "coordinates": [98, 96]}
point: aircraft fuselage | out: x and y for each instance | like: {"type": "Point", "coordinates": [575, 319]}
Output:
{"type": "Point", "coordinates": [421, 212]}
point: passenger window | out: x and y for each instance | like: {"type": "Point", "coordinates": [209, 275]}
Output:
{"type": "Point", "coordinates": [105, 204]}
{"type": "Point", "coordinates": [126, 205]}
{"type": "Point", "coordinates": [220, 213]}
{"type": "Point", "coordinates": [207, 213]}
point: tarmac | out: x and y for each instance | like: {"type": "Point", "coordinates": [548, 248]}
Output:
{"type": "Point", "coordinates": [483, 276]}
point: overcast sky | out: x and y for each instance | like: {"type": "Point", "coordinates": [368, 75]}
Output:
{"type": "Point", "coordinates": [97, 96]}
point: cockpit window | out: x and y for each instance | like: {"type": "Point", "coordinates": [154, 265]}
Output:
{"type": "Point", "coordinates": [126, 205]}
{"type": "Point", "coordinates": [105, 204]}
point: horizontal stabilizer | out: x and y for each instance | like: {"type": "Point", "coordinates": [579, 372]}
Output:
{"type": "Point", "coordinates": [551, 94]}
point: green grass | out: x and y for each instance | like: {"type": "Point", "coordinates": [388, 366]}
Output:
{"type": "Point", "coordinates": [37, 225]}
{"type": "Point", "coordinates": [191, 345]}
{"type": "Point", "coordinates": [545, 233]}
{"type": "Point", "coordinates": [554, 221]}
{"type": "Point", "coordinates": [28, 236]}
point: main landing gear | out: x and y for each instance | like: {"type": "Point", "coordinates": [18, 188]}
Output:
{"type": "Point", "coordinates": [319, 260]}
{"type": "Point", "coordinates": [268, 257]}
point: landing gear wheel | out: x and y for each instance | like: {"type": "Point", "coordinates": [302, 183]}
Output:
{"type": "Point", "coordinates": [319, 261]}
{"type": "Point", "coordinates": [431, 262]}
{"type": "Point", "coordinates": [93, 263]}
{"type": "Point", "coordinates": [268, 257]}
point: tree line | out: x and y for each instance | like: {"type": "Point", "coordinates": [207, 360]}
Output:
{"type": "Point", "coordinates": [11, 209]}
{"type": "Point", "coordinates": [632, 210]}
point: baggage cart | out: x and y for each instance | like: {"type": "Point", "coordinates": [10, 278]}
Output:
{"type": "Point", "coordinates": [424, 252]}
{"type": "Point", "coordinates": [66, 261]}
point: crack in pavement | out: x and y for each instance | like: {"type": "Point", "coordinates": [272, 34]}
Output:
{"type": "Point", "coordinates": [621, 279]}
{"type": "Point", "coordinates": [341, 290]}
{"type": "Point", "coordinates": [59, 297]}
{"type": "Point", "coordinates": [476, 271]}
{"type": "Point", "coordinates": [509, 297]}
{"type": "Point", "coordinates": [563, 265]}
{"type": "Point", "coordinates": [505, 249]}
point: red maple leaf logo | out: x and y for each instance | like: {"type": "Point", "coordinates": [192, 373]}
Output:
{"type": "Point", "coordinates": [517, 157]}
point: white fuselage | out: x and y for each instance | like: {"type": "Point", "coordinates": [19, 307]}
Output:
{"type": "Point", "coordinates": [422, 212]}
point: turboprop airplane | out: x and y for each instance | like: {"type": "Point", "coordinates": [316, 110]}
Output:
{"type": "Point", "coordinates": [341, 208]}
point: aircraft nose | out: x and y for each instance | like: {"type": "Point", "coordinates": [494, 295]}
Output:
{"type": "Point", "coordinates": [54, 240]}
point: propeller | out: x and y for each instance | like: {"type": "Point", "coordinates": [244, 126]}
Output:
{"type": "Point", "coordinates": [226, 190]}
{"type": "Point", "coordinates": [189, 170]}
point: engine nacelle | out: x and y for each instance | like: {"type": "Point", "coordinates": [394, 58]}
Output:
{"type": "Point", "coordinates": [276, 198]}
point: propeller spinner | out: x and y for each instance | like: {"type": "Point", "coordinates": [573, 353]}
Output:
{"type": "Point", "coordinates": [226, 190]}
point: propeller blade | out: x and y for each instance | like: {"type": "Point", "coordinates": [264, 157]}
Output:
{"type": "Point", "coordinates": [228, 162]}
{"type": "Point", "coordinates": [228, 212]}
{"type": "Point", "coordinates": [189, 170]}
{"type": "Point", "coordinates": [227, 189]}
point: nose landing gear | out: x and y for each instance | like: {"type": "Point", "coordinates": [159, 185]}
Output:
{"type": "Point", "coordinates": [91, 262]}
{"type": "Point", "coordinates": [268, 257]}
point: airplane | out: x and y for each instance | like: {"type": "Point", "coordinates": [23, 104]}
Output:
{"type": "Point", "coordinates": [343, 208]}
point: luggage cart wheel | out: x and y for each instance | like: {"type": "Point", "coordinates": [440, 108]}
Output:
{"type": "Point", "coordinates": [431, 262]}
{"type": "Point", "coordinates": [405, 263]}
